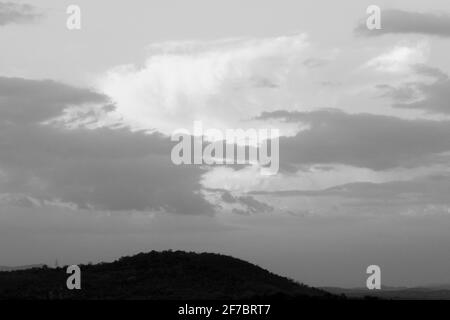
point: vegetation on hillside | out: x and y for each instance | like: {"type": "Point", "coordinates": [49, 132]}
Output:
{"type": "Point", "coordinates": [156, 276]}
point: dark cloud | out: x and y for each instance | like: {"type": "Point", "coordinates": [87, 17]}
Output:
{"type": "Point", "coordinates": [29, 101]}
{"type": "Point", "coordinates": [254, 206]}
{"type": "Point", "coordinates": [105, 168]}
{"type": "Point", "coordinates": [248, 203]}
{"type": "Point", "coordinates": [18, 13]}
{"type": "Point", "coordinates": [431, 97]}
{"type": "Point", "coordinates": [227, 197]}
{"type": "Point", "coordinates": [399, 21]}
{"type": "Point", "coordinates": [362, 140]}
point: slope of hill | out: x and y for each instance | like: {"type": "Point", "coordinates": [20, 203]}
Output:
{"type": "Point", "coordinates": [158, 275]}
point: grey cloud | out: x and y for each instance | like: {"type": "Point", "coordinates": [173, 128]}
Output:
{"type": "Point", "coordinates": [18, 200]}
{"type": "Point", "coordinates": [330, 83]}
{"type": "Point", "coordinates": [253, 205]}
{"type": "Point", "coordinates": [27, 101]}
{"type": "Point", "coordinates": [315, 62]}
{"type": "Point", "coordinates": [250, 204]}
{"type": "Point", "coordinates": [404, 22]}
{"type": "Point", "coordinates": [240, 212]}
{"type": "Point", "coordinates": [264, 83]}
{"type": "Point", "coordinates": [427, 190]}
{"type": "Point", "coordinates": [228, 197]}
{"type": "Point", "coordinates": [363, 140]}
{"type": "Point", "coordinates": [422, 196]}
{"type": "Point", "coordinates": [108, 169]}
{"type": "Point", "coordinates": [431, 97]}
{"type": "Point", "coordinates": [18, 13]}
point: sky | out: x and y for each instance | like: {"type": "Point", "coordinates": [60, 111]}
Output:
{"type": "Point", "coordinates": [86, 118]}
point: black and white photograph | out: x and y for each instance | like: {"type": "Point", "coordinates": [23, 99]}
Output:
{"type": "Point", "coordinates": [224, 158]}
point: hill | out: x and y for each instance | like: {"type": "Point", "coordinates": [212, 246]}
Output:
{"type": "Point", "coordinates": [159, 275]}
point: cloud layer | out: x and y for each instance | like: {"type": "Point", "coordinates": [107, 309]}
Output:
{"type": "Point", "coordinates": [395, 21]}
{"type": "Point", "coordinates": [16, 13]}
{"type": "Point", "coordinates": [101, 168]}
{"type": "Point", "coordinates": [430, 96]}
{"type": "Point", "coordinates": [363, 140]}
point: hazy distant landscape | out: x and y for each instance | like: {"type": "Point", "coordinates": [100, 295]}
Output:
{"type": "Point", "coordinates": [396, 293]}
{"type": "Point", "coordinates": [16, 268]}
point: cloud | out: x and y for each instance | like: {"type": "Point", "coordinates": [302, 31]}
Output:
{"type": "Point", "coordinates": [315, 62]}
{"type": "Point", "coordinates": [30, 101]}
{"type": "Point", "coordinates": [400, 59]}
{"type": "Point", "coordinates": [414, 190]}
{"type": "Point", "coordinates": [363, 140]}
{"type": "Point", "coordinates": [222, 83]}
{"type": "Point", "coordinates": [432, 97]}
{"type": "Point", "coordinates": [403, 22]}
{"type": "Point", "coordinates": [102, 168]}
{"type": "Point", "coordinates": [249, 203]}
{"type": "Point", "coordinates": [431, 190]}
{"type": "Point", "coordinates": [16, 13]}
{"type": "Point", "coordinates": [308, 177]}
{"type": "Point", "coordinates": [426, 194]}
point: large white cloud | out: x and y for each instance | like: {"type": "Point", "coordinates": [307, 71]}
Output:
{"type": "Point", "coordinates": [223, 83]}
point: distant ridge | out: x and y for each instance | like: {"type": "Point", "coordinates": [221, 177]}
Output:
{"type": "Point", "coordinates": [159, 275]}
{"type": "Point", "coordinates": [31, 266]}
{"type": "Point", "coordinates": [433, 292]}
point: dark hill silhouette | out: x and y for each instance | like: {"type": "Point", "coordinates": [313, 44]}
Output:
{"type": "Point", "coordinates": [159, 275]}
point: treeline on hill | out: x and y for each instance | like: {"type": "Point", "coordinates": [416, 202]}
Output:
{"type": "Point", "coordinates": [155, 275]}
